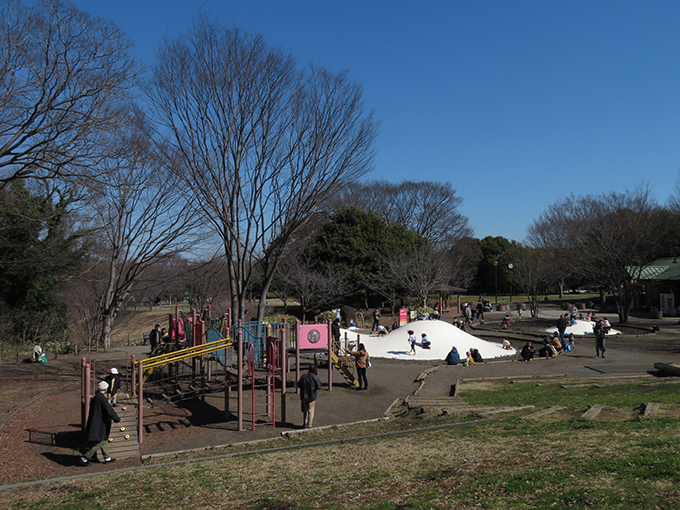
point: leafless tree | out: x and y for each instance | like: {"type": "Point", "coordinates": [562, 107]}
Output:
{"type": "Point", "coordinates": [205, 281]}
{"type": "Point", "coordinates": [531, 273]}
{"type": "Point", "coordinates": [262, 143]}
{"type": "Point", "coordinates": [312, 287]}
{"type": "Point", "coordinates": [429, 208]}
{"type": "Point", "coordinates": [65, 79]}
{"type": "Point", "coordinates": [461, 261]}
{"type": "Point", "coordinates": [386, 285]}
{"type": "Point", "coordinates": [610, 239]}
{"type": "Point", "coordinates": [417, 271]}
{"type": "Point", "coordinates": [139, 222]}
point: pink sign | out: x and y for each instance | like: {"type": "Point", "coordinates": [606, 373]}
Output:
{"type": "Point", "coordinates": [403, 316]}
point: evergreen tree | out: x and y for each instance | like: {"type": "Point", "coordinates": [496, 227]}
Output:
{"type": "Point", "coordinates": [37, 252]}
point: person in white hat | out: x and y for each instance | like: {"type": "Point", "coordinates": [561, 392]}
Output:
{"type": "Point", "coordinates": [99, 426]}
{"type": "Point", "coordinates": [113, 379]}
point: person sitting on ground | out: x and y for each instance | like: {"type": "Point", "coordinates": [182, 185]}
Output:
{"type": "Point", "coordinates": [506, 344]}
{"type": "Point", "coordinates": [425, 342]}
{"type": "Point", "coordinates": [468, 359]}
{"type": "Point", "coordinates": [548, 350]}
{"type": "Point", "coordinates": [527, 352]}
{"type": "Point", "coordinates": [505, 323]}
{"type": "Point", "coordinates": [476, 356]}
{"type": "Point", "coordinates": [452, 358]}
{"type": "Point", "coordinates": [555, 341]}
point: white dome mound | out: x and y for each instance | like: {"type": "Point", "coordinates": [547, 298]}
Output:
{"type": "Point", "coordinates": [442, 335]}
{"type": "Point", "coordinates": [582, 328]}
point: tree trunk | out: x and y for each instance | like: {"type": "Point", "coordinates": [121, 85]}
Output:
{"type": "Point", "coordinates": [107, 327]}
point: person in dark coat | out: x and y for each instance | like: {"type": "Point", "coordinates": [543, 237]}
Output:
{"type": "Point", "coordinates": [452, 358]}
{"type": "Point", "coordinates": [335, 333]}
{"type": "Point", "coordinates": [476, 356]}
{"type": "Point", "coordinates": [113, 380]}
{"type": "Point", "coordinates": [99, 426]}
{"type": "Point", "coordinates": [528, 352]}
{"type": "Point", "coordinates": [309, 383]}
{"type": "Point", "coordinates": [600, 329]}
{"type": "Point", "coordinates": [155, 337]}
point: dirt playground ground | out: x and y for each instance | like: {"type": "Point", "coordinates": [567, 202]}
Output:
{"type": "Point", "coordinates": [40, 403]}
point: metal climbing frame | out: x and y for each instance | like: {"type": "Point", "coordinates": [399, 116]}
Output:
{"type": "Point", "coordinates": [264, 390]}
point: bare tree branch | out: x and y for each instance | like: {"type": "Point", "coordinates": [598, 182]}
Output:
{"type": "Point", "coordinates": [65, 88]}
{"type": "Point", "coordinates": [261, 143]}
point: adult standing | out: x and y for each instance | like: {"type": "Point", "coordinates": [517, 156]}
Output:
{"type": "Point", "coordinates": [113, 380]}
{"type": "Point", "coordinates": [376, 320]}
{"type": "Point", "coordinates": [561, 327]}
{"type": "Point", "coordinates": [99, 426]}
{"type": "Point", "coordinates": [361, 360]}
{"type": "Point", "coordinates": [335, 333]}
{"type": "Point", "coordinates": [155, 337]}
{"type": "Point", "coordinates": [600, 331]}
{"type": "Point", "coordinates": [480, 312]}
{"type": "Point", "coordinates": [309, 384]}
{"type": "Point", "coordinates": [573, 311]}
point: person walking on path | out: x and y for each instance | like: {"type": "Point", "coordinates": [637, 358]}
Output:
{"type": "Point", "coordinates": [113, 380]}
{"type": "Point", "coordinates": [480, 312]}
{"type": "Point", "coordinates": [361, 359]}
{"type": "Point", "coordinates": [412, 341]}
{"type": "Point", "coordinates": [99, 426]}
{"type": "Point", "coordinates": [309, 384]}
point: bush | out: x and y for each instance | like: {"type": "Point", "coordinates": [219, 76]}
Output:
{"type": "Point", "coordinates": [290, 319]}
{"type": "Point", "coordinates": [424, 309]}
{"type": "Point", "coordinates": [326, 315]}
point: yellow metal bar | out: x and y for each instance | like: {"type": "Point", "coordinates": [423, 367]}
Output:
{"type": "Point", "coordinates": [190, 352]}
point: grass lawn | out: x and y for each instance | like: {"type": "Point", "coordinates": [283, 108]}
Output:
{"type": "Point", "coordinates": [560, 460]}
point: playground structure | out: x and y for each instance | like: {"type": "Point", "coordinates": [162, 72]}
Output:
{"type": "Point", "coordinates": [204, 356]}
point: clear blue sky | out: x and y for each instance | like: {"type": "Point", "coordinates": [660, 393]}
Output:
{"type": "Point", "coordinates": [516, 103]}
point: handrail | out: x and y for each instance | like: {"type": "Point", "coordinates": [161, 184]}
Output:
{"type": "Point", "coordinates": [189, 352]}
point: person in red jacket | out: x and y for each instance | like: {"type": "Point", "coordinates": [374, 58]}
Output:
{"type": "Point", "coordinates": [99, 426]}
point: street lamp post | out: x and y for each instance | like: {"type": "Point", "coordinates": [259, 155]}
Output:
{"type": "Point", "coordinates": [495, 272]}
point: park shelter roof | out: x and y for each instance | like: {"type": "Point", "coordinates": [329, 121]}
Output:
{"type": "Point", "coordinates": [667, 268]}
